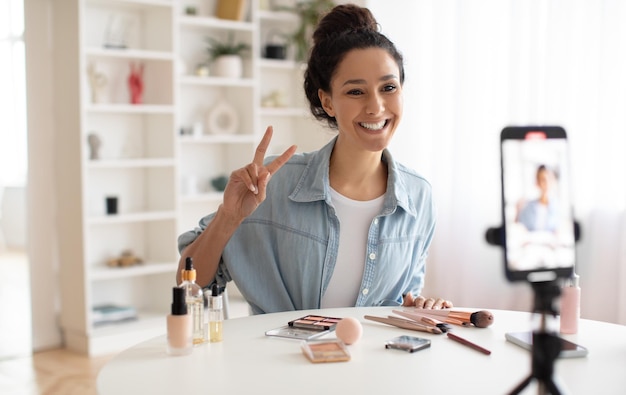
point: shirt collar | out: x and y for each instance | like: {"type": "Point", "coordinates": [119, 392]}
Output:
{"type": "Point", "coordinates": [314, 184]}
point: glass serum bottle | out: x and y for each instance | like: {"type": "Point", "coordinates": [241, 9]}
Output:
{"type": "Point", "coordinates": [195, 301]}
{"type": "Point", "coordinates": [216, 314]}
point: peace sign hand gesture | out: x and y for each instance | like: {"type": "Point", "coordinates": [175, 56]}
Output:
{"type": "Point", "coordinates": [246, 187]}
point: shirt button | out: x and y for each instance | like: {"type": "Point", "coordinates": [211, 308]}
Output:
{"type": "Point", "coordinates": [372, 255]}
{"type": "Point", "coordinates": [366, 291]}
{"type": "Point", "coordinates": [375, 221]}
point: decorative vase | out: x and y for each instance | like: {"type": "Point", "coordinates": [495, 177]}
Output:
{"type": "Point", "coordinates": [230, 66]}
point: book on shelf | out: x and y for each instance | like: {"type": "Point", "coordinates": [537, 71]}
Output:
{"type": "Point", "coordinates": [111, 313]}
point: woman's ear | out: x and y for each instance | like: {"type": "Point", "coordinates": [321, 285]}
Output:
{"type": "Point", "coordinates": [327, 103]}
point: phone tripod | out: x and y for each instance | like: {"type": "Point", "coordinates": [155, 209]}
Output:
{"type": "Point", "coordinates": [546, 345]}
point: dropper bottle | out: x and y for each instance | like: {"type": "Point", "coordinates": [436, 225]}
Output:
{"type": "Point", "coordinates": [216, 314]}
{"type": "Point", "coordinates": [195, 301]}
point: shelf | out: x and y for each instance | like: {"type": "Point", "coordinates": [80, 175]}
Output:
{"type": "Point", "coordinates": [131, 54]}
{"type": "Point", "coordinates": [132, 3]}
{"type": "Point", "coordinates": [203, 197]}
{"type": "Point", "coordinates": [277, 16]}
{"type": "Point", "coordinates": [106, 339]}
{"type": "Point", "coordinates": [130, 163]}
{"type": "Point", "coordinates": [130, 108]}
{"type": "Point", "coordinates": [216, 81]}
{"type": "Point", "coordinates": [283, 112]}
{"type": "Point", "coordinates": [215, 23]}
{"type": "Point", "coordinates": [163, 180]}
{"type": "Point", "coordinates": [111, 273]}
{"type": "Point", "coordinates": [132, 217]}
{"type": "Point", "coordinates": [220, 139]}
{"type": "Point", "coordinates": [278, 64]}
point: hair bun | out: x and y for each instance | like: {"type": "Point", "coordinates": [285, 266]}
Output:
{"type": "Point", "coordinates": [343, 19]}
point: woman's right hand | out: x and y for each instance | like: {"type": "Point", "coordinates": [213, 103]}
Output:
{"type": "Point", "coordinates": [246, 187]}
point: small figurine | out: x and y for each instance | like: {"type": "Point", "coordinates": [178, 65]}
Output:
{"type": "Point", "coordinates": [94, 146]}
{"type": "Point", "coordinates": [135, 83]}
{"type": "Point", "coordinates": [126, 259]}
{"type": "Point", "coordinates": [98, 82]}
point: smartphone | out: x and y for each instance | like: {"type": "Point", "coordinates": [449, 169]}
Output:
{"type": "Point", "coordinates": [408, 343]}
{"type": "Point", "coordinates": [537, 211]}
{"type": "Point", "coordinates": [568, 348]}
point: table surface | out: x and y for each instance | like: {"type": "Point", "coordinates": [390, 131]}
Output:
{"type": "Point", "coordinates": [247, 361]}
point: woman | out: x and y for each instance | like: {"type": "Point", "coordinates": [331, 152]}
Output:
{"type": "Point", "coordinates": [342, 226]}
{"type": "Point", "coordinates": [542, 213]}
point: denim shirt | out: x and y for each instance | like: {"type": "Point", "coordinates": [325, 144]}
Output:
{"type": "Point", "coordinates": [282, 256]}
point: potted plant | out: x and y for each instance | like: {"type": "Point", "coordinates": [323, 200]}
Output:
{"type": "Point", "coordinates": [226, 56]}
{"type": "Point", "coordinates": [309, 12]}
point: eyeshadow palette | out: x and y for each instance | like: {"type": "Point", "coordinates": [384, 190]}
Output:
{"type": "Point", "coordinates": [306, 328]}
{"type": "Point", "coordinates": [325, 351]}
{"type": "Point", "coordinates": [296, 333]}
{"type": "Point", "coordinates": [315, 322]}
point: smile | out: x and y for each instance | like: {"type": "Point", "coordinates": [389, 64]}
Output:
{"type": "Point", "coordinates": [374, 126]}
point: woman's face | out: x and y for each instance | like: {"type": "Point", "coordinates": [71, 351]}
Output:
{"type": "Point", "coordinates": [545, 180]}
{"type": "Point", "coordinates": [365, 98]}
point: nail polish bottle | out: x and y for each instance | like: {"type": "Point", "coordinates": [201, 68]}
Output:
{"type": "Point", "coordinates": [570, 306]}
{"type": "Point", "coordinates": [216, 314]}
{"type": "Point", "coordinates": [179, 325]}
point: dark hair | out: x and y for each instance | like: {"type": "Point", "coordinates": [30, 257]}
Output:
{"type": "Point", "coordinates": [344, 28]}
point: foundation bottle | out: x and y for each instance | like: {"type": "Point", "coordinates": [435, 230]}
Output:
{"type": "Point", "coordinates": [570, 306]}
{"type": "Point", "coordinates": [179, 325]}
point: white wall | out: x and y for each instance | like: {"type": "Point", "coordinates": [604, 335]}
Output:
{"type": "Point", "coordinates": [14, 217]}
{"type": "Point", "coordinates": [41, 177]}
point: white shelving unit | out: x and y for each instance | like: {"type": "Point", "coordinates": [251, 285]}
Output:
{"type": "Point", "coordinates": [160, 176]}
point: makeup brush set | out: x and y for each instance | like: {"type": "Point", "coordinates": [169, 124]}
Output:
{"type": "Point", "coordinates": [434, 321]}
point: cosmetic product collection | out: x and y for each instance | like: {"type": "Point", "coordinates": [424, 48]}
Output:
{"type": "Point", "coordinates": [310, 329]}
{"type": "Point", "coordinates": [196, 317]}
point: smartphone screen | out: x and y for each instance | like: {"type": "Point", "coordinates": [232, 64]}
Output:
{"type": "Point", "coordinates": [568, 349]}
{"type": "Point", "coordinates": [536, 204]}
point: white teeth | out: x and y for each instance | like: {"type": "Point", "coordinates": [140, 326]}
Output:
{"type": "Point", "coordinates": [373, 126]}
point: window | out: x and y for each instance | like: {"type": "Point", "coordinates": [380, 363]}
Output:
{"type": "Point", "coordinates": [13, 142]}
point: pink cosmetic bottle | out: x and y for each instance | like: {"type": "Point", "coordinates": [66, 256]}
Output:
{"type": "Point", "coordinates": [570, 306]}
{"type": "Point", "coordinates": [179, 325]}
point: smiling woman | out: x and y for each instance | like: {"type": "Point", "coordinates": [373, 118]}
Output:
{"type": "Point", "coordinates": [345, 225]}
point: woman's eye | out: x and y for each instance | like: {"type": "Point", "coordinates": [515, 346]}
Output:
{"type": "Point", "coordinates": [355, 92]}
{"type": "Point", "coordinates": [389, 88]}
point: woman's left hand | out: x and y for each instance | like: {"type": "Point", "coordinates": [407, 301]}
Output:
{"type": "Point", "coordinates": [426, 303]}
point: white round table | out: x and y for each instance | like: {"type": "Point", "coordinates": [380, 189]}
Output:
{"type": "Point", "coordinates": [248, 362]}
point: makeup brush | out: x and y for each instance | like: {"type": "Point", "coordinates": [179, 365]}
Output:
{"type": "Point", "coordinates": [443, 326]}
{"type": "Point", "coordinates": [405, 324]}
{"type": "Point", "coordinates": [480, 319]}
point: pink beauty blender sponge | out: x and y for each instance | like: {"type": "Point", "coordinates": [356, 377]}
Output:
{"type": "Point", "coordinates": [349, 330]}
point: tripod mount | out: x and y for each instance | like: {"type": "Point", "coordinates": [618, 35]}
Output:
{"type": "Point", "coordinates": [546, 344]}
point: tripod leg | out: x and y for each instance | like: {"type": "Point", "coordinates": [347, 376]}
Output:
{"type": "Point", "coordinates": [552, 388]}
{"type": "Point", "coordinates": [521, 385]}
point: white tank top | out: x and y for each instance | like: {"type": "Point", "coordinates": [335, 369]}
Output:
{"type": "Point", "coordinates": [355, 218]}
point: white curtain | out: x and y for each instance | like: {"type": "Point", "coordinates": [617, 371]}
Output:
{"type": "Point", "coordinates": [476, 66]}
